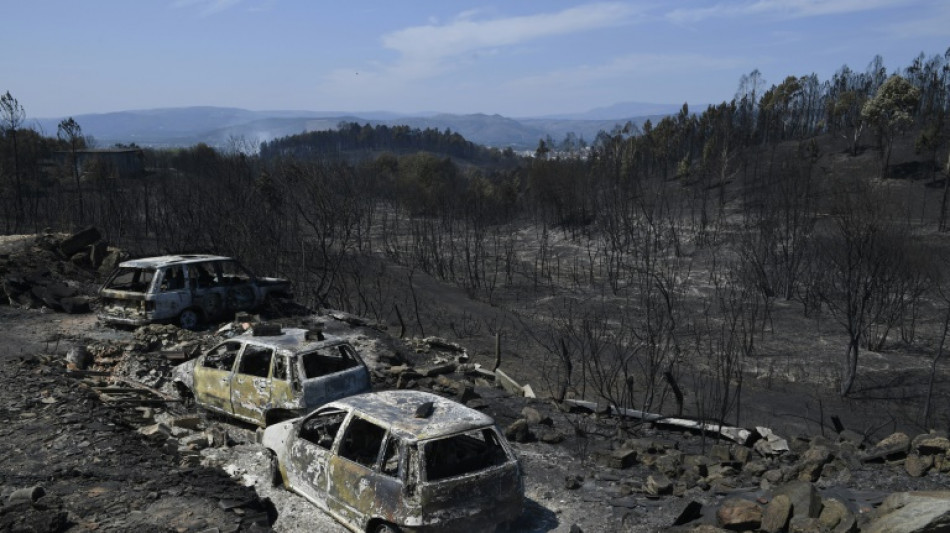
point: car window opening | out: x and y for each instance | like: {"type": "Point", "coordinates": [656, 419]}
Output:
{"type": "Point", "coordinates": [322, 429]}
{"type": "Point", "coordinates": [132, 279]}
{"type": "Point", "coordinates": [361, 442]}
{"type": "Point", "coordinates": [462, 454]}
{"type": "Point", "coordinates": [256, 361]}
{"type": "Point", "coordinates": [222, 357]}
{"type": "Point", "coordinates": [327, 361]}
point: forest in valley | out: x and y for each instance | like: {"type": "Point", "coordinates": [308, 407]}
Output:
{"type": "Point", "coordinates": [663, 267]}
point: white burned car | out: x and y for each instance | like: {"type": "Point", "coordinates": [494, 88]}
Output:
{"type": "Point", "coordinates": [394, 461]}
{"type": "Point", "coordinates": [268, 378]}
{"type": "Point", "coordinates": [186, 289]}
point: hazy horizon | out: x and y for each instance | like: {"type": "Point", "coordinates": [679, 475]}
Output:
{"type": "Point", "coordinates": [513, 59]}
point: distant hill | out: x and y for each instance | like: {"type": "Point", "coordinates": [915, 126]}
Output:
{"type": "Point", "coordinates": [218, 126]}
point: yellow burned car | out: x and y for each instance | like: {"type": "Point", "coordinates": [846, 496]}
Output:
{"type": "Point", "coordinates": [400, 460]}
{"type": "Point", "coordinates": [268, 378]}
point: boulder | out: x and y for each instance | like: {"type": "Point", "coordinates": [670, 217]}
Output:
{"type": "Point", "coordinates": [622, 458]}
{"type": "Point", "coordinates": [804, 497]}
{"type": "Point", "coordinates": [658, 484]}
{"type": "Point", "coordinates": [738, 514]}
{"type": "Point", "coordinates": [931, 444]}
{"type": "Point", "coordinates": [912, 512]}
{"type": "Point", "coordinates": [836, 517]}
{"type": "Point", "coordinates": [78, 241]}
{"type": "Point", "coordinates": [777, 514]}
{"type": "Point", "coordinates": [918, 465]}
{"type": "Point", "coordinates": [893, 446]}
{"type": "Point", "coordinates": [519, 431]}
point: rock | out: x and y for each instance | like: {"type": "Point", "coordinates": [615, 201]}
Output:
{"type": "Point", "coordinates": [622, 458]}
{"type": "Point", "coordinates": [28, 494]}
{"type": "Point", "coordinates": [691, 511]}
{"type": "Point", "coordinates": [812, 461]}
{"type": "Point", "coordinates": [550, 436]}
{"type": "Point", "coordinates": [740, 453]}
{"type": "Point", "coordinates": [79, 240]}
{"type": "Point", "coordinates": [111, 260]}
{"type": "Point", "coordinates": [437, 370]}
{"type": "Point", "coordinates": [912, 512]}
{"type": "Point", "coordinates": [917, 465]}
{"type": "Point", "coordinates": [658, 484]}
{"type": "Point", "coordinates": [804, 497]}
{"type": "Point", "coordinates": [519, 431]}
{"type": "Point", "coordinates": [836, 517]}
{"type": "Point", "coordinates": [573, 482]}
{"type": "Point", "coordinates": [739, 514]}
{"type": "Point", "coordinates": [77, 358]}
{"type": "Point", "coordinates": [156, 431]}
{"type": "Point", "coordinates": [720, 453]}
{"type": "Point", "coordinates": [801, 524]}
{"type": "Point", "coordinates": [893, 446]}
{"type": "Point", "coordinates": [930, 444]}
{"type": "Point", "coordinates": [191, 422]}
{"type": "Point", "coordinates": [777, 514]}
{"type": "Point", "coordinates": [534, 417]}
{"type": "Point", "coordinates": [97, 253]}
{"type": "Point", "coordinates": [669, 463]}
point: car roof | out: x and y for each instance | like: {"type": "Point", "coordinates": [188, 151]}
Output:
{"type": "Point", "coordinates": [396, 410]}
{"type": "Point", "coordinates": [293, 339]}
{"type": "Point", "coordinates": [165, 260]}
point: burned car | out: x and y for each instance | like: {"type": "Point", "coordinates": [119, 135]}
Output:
{"type": "Point", "coordinates": [186, 289]}
{"type": "Point", "coordinates": [399, 461]}
{"type": "Point", "coordinates": [268, 378]}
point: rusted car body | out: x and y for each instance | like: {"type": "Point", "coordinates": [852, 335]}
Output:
{"type": "Point", "coordinates": [186, 289]}
{"type": "Point", "coordinates": [400, 461]}
{"type": "Point", "coordinates": [266, 379]}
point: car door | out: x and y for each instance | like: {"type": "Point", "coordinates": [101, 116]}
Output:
{"type": "Point", "coordinates": [310, 452]}
{"type": "Point", "coordinates": [171, 296]}
{"type": "Point", "coordinates": [250, 386]}
{"type": "Point", "coordinates": [354, 472]}
{"type": "Point", "coordinates": [212, 376]}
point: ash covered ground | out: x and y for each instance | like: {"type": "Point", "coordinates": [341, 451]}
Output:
{"type": "Point", "coordinates": [73, 461]}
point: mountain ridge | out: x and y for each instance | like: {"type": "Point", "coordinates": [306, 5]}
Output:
{"type": "Point", "coordinates": [222, 126]}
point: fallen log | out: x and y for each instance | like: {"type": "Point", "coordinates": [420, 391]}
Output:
{"type": "Point", "coordinates": [738, 435]}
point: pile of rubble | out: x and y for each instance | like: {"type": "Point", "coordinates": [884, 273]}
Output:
{"type": "Point", "coordinates": [57, 272]}
{"type": "Point", "coordinates": [72, 464]}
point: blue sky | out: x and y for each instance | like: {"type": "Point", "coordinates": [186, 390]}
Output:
{"type": "Point", "coordinates": [515, 58]}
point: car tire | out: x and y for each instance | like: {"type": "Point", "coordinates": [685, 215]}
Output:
{"type": "Point", "coordinates": [189, 319]}
{"type": "Point", "coordinates": [383, 527]}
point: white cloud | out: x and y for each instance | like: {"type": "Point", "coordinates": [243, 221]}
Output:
{"type": "Point", "coordinates": [424, 50]}
{"type": "Point", "coordinates": [787, 8]}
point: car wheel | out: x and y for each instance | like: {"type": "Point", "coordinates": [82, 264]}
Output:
{"type": "Point", "coordinates": [383, 527]}
{"type": "Point", "coordinates": [273, 470]}
{"type": "Point", "coordinates": [188, 319]}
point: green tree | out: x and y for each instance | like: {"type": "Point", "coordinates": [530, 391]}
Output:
{"type": "Point", "coordinates": [890, 112]}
